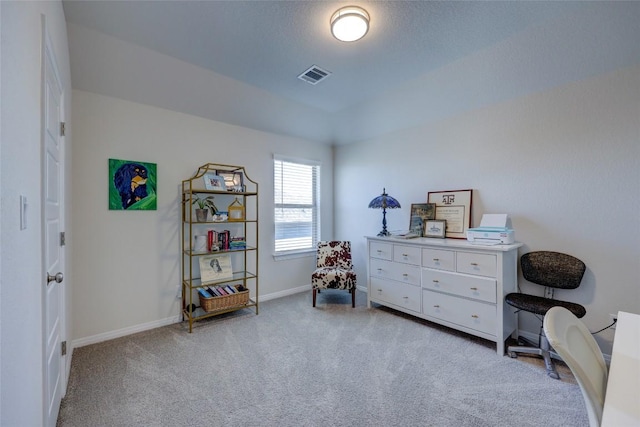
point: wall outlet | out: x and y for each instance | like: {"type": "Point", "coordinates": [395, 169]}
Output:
{"type": "Point", "coordinates": [613, 318]}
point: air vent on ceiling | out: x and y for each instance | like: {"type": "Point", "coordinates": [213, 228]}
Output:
{"type": "Point", "coordinates": [314, 75]}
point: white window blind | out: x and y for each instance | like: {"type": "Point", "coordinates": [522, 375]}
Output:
{"type": "Point", "coordinates": [296, 201]}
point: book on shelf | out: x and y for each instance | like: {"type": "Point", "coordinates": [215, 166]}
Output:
{"type": "Point", "coordinates": [238, 243]}
{"type": "Point", "coordinates": [230, 289]}
{"type": "Point", "coordinates": [204, 293]}
{"type": "Point", "coordinates": [221, 290]}
{"type": "Point", "coordinates": [213, 291]}
{"type": "Point", "coordinates": [210, 241]}
{"type": "Point", "coordinates": [224, 239]}
{"type": "Point", "coordinates": [405, 234]}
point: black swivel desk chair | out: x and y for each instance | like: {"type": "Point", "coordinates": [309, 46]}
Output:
{"type": "Point", "coordinates": [553, 270]}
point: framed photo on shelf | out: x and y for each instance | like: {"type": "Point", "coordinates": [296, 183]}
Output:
{"type": "Point", "coordinates": [435, 228]}
{"type": "Point", "coordinates": [214, 182]}
{"type": "Point", "coordinates": [234, 181]}
{"type": "Point", "coordinates": [420, 212]}
{"type": "Point", "coordinates": [213, 268]}
{"type": "Point", "coordinates": [455, 208]}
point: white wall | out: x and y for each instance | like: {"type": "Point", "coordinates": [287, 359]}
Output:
{"type": "Point", "coordinates": [21, 285]}
{"type": "Point", "coordinates": [564, 164]}
{"type": "Point", "coordinates": [127, 264]}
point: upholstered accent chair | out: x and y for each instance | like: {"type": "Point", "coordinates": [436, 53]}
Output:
{"type": "Point", "coordinates": [553, 270]}
{"type": "Point", "coordinates": [334, 269]}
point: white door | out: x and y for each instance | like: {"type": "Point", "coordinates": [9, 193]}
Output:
{"type": "Point", "coordinates": [53, 249]}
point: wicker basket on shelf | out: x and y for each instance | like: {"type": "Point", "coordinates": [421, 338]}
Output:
{"type": "Point", "coordinates": [225, 301]}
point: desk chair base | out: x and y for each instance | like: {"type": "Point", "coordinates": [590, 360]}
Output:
{"type": "Point", "coordinates": [544, 351]}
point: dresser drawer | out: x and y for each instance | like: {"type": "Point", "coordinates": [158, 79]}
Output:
{"type": "Point", "coordinates": [406, 254]}
{"type": "Point", "coordinates": [381, 250]}
{"type": "Point", "coordinates": [398, 294]}
{"type": "Point", "coordinates": [470, 314]}
{"type": "Point", "coordinates": [381, 268]}
{"type": "Point", "coordinates": [478, 264]}
{"type": "Point", "coordinates": [436, 258]}
{"type": "Point", "coordinates": [404, 273]}
{"type": "Point", "coordinates": [480, 288]}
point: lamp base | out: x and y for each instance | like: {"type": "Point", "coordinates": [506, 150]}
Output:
{"type": "Point", "coordinates": [384, 233]}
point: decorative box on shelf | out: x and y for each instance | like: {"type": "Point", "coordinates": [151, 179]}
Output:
{"type": "Point", "coordinates": [236, 211]}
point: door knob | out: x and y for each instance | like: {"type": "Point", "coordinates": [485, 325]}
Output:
{"type": "Point", "coordinates": [58, 278]}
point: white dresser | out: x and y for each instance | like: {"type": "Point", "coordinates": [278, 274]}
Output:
{"type": "Point", "coordinates": [447, 281]}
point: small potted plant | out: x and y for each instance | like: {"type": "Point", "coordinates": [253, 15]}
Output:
{"type": "Point", "coordinates": [205, 204]}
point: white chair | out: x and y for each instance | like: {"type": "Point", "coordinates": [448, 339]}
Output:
{"type": "Point", "coordinates": [571, 339]}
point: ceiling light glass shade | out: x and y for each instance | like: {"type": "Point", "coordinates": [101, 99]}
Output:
{"type": "Point", "coordinates": [349, 23]}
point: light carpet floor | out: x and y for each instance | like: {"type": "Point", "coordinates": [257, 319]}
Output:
{"type": "Point", "coordinates": [294, 365]}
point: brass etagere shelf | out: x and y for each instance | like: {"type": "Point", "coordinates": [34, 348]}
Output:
{"type": "Point", "coordinates": [241, 192]}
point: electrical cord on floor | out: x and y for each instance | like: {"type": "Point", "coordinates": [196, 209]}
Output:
{"type": "Point", "coordinates": [541, 318]}
{"type": "Point", "coordinates": [606, 327]}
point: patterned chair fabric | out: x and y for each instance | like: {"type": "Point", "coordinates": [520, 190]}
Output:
{"type": "Point", "coordinates": [334, 268]}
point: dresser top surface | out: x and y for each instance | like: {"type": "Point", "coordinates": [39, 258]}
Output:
{"type": "Point", "coordinates": [445, 243]}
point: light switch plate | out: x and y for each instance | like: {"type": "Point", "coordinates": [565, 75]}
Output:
{"type": "Point", "coordinates": [23, 212]}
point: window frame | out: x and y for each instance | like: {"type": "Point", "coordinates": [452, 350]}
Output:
{"type": "Point", "coordinates": [315, 206]}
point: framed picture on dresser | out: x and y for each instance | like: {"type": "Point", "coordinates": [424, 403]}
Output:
{"type": "Point", "coordinates": [420, 212]}
{"type": "Point", "coordinates": [435, 228]}
{"type": "Point", "coordinates": [454, 207]}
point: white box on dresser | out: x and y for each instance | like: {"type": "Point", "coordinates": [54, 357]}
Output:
{"type": "Point", "coordinates": [447, 281]}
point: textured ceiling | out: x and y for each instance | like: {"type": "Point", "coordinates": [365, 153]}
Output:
{"type": "Point", "coordinates": [410, 45]}
{"type": "Point", "coordinates": [268, 43]}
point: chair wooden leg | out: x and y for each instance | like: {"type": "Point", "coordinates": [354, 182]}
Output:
{"type": "Point", "coordinates": [353, 298]}
{"type": "Point", "coordinates": [314, 296]}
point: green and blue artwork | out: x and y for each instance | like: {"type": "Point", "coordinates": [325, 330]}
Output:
{"type": "Point", "coordinates": [132, 185]}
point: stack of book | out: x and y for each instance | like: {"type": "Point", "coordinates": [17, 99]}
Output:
{"type": "Point", "coordinates": [220, 297]}
{"type": "Point", "coordinates": [218, 291]}
{"type": "Point", "coordinates": [237, 243]}
{"type": "Point", "coordinates": [224, 238]}
{"type": "Point", "coordinates": [219, 240]}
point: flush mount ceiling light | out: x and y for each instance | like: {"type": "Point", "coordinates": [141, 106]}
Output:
{"type": "Point", "coordinates": [349, 23]}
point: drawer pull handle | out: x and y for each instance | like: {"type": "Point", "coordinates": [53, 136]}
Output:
{"type": "Point", "coordinates": [379, 251]}
{"type": "Point", "coordinates": [379, 290]}
{"type": "Point", "coordinates": [405, 275]}
{"type": "Point", "coordinates": [475, 316]}
{"type": "Point", "coordinates": [379, 269]}
{"type": "Point", "coordinates": [475, 264]}
{"type": "Point", "coordinates": [474, 289]}
{"type": "Point", "coordinates": [405, 297]}
{"type": "Point", "coordinates": [436, 281]}
{"type": "Point", "coordinates": [436, 259]}
{"type": "Point", "coordinates": [436, 306]}
{"type": "Point", "coordinates": [405, 255]}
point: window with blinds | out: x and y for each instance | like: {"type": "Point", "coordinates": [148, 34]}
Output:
{"type": "Point", "coordinates": [297, 207]}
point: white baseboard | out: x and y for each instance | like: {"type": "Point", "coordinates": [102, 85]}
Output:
{"type": "Point", "coordinates": [94, 339]}
{"type": "Point", "coordinates": [285, 293]}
